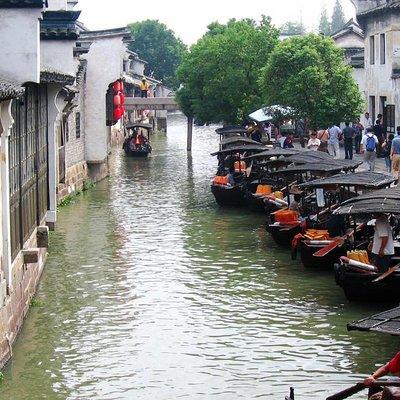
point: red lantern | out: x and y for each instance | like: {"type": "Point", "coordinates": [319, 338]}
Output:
{"type": "Point", "coordinates": [117, 86]}
{"type": "Point", "coordinates": [117, 100]}
{"type": "Point", "coordinates": [122, 98]}
{"type": "Point", "coordinates": [123, 110]}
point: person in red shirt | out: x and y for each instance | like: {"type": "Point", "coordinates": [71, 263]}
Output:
{"type": "Point", "coordinates": [392, 367]}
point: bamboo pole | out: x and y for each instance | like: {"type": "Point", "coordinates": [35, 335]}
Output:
{"type": "Point", "coordinates": [189, 133]}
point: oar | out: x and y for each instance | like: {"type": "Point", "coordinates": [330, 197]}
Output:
{"type": "Point", "coordinates": [387, 273]}
{"type": "Point", "coordinates": [328, 248]}
{"type": "Point", "coordinates": [360, 387]}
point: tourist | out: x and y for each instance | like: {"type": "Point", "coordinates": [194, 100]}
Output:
{"type": "Point", "coordinates": [386, 152]}
{"type": "Point", "coordinates": [333, 141]}
{"type": "Point", "coordinates": [379, 133]}
{"type": "Point", "coordinates": [231, 176]}
{"type": "Point", "coordinates": [268, 131]}
{"type": "Point", "coordinates": [349, 134]}
{"type": "Point", "coordinates": [395, 155]}
{"type": "Point", "coordinates": [359, 128]}
{"type": "Point", "coordinates": [256, 134]}
{"type": "Point", "coordinates": [392, 367]}
{"type": "Point", "coordinates": [288, 143]}
{"type": "Point", "coordinates": [313, 142]}
{"type": "Point", "coordinates": [367, 122]}
{"type": "Point", "coordinates": [323, 137]}
{"type": "Point", "coordinates": [369, 143]}
{"type": "Point", "coordinates": [295, 204]}
{"type": "Point", "coordinates": [144, 88]}
{"type": "Point", "coordinates": [382, 246]}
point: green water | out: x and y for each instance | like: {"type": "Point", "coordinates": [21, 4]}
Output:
{"type": "Point", "coordinates": [153, 292]}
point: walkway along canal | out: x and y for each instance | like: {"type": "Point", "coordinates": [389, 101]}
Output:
{"type": "Point", "coordinates": [153, 292]}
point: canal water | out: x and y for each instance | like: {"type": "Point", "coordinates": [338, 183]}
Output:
{"type": "Point", "coordinates": [153, 292]}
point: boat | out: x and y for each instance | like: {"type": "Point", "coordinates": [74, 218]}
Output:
{"type": "Point", "coordinates": [137, 142]}
{"type": "Point", "coordinates": [357, 281]}
{"type": "Point", "coordinates": [228, 159]}
{"type": "Point", "coordinates": [336, 190]}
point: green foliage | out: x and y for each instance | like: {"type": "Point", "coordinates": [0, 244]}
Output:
{"type": "Point", "coordinates": [35, 303]}
{"type": "Point", "coordinates": [160, 47]}
{"type": "Point", "coordinates": [220, 73]}
{"type": "Point", "coordinates": [324, 23]}
{"type": "Point", "coordinates": [1, 378]}
{"type": "Point", "coordinates": [291, 28]}
{"type": "Point", "coordinates": [338, 19]}
{"type": "Point", "coordinates": [87, 185]}
{"type": "Point", "coordinates": [308, 73]}
{"type": "Point", "coordinates": [67, 200]}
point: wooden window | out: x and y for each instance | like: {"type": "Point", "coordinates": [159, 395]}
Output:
{"type": "Point", "coordinates": [382, 49]}
{"type": "Point", "coordinates": [78, 125]}
{"type": "Point", "coordinates": [390, 118]}
{"type": "Point", "coordinates": [372, 50]}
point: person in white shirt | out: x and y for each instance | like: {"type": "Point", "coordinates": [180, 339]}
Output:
{"type": "Point", "coordinates": [382, 246]}
{"type": "Point", "coordinates": [369, 144]}
{"type": "Point", "coordinates": [333, 141]}
{"type": "Point", "coordinates": [313, 142]}
{"type": "Point", "coordinates": [367, 122]}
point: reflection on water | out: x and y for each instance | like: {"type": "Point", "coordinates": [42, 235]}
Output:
{"type": "Point", "coordinates": [153, 292]}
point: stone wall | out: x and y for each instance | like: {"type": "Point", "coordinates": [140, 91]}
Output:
{"type": "Point", "coordinates": [15, 306]}
{"type": "Point", "coordinates": [75, 178]}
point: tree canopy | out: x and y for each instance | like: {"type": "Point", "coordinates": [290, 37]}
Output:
{"type": "Point", "coordinates": [308, 73]}
{"type": "Point", "coordinates": [324, 23]}
{"type": "Point", "coordinates": [220, 73]}
{"type": "Point", "coordinates": [160, 47]}
{"type": "Point", "coordinates": [293, 28]}
{"type": "Point", "coordinates": [338, 19]}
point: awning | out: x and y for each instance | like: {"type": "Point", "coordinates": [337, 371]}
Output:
{"type": "Point", "coordinates": [272, 113]}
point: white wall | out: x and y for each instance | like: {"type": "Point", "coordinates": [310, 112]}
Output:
{"type": "Point", "coordinates": [349, 40]}
{"type": "Point", "coordinates": [20, 44]}
{"type": "Point", "coordinates": [138, 67]}
{"type": "Point", "coordinates": [58, 54]}
{"type": "Point", "coordinates": [105, 61]}
{"type": "Point", "coordinates": [56, 5]}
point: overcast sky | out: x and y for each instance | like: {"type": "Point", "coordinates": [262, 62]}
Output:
{"type": "Point", "coordinates": [189, 19]}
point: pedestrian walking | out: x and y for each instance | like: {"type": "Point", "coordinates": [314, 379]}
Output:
{"type": "Point", "coordinates": [359, 128]}
{"type": "Point", "coordinates": [349, 134]}
{"type": "Point", "coordinates": [335, 135]}
{"type": "Point", "coordinates": [380, 134]}
{"type": "Point", "coordinates": [369, 143]}
{"type": "Point", "coordinates": [395, 155]}
{"type": "Point", "coordinates": [387, 151]}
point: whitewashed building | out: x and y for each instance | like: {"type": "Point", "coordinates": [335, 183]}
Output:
{"type": "Point", "coordinates": [380, 21]}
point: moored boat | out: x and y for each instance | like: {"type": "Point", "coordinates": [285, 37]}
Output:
{"type": "Point", "coordinates": [137, 143]}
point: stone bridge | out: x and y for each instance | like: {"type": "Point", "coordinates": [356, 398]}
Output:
{"type": "Point", "coordinates": [151, 103]}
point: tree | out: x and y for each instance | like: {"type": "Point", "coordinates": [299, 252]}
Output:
{"type": "Point", "coordinates": [291, 28]}
{"type": "Point", "coordinates": [338, 19]}
{"type": "Point", "coordinates": [160, 47]}
{"type": "Point", "coordinates": [324, 24]}
{"type": "Point", "coordinates": [309, 75]}
{"type": "Point", "coordinates": [220, 73]}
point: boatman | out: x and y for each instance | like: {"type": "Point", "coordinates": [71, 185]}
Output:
{"type": "Point", "coordinates": [382, 246]}
{"type": "Point", "coordinates": [144, 88]}
{"type": "Point", "coordinates": [392, 367]}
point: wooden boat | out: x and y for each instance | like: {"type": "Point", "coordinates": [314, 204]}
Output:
{"type": "Point", "coordinates": [358, 284]}
{"type": "Point", "coordinates": [228, 195]}
{"type": "Point", "coordinates": [137, 142]}
{"type": "Point", "coordinates": [284, 234]}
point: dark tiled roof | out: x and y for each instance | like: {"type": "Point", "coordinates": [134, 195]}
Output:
{"type": "Point", "coordinates": [23, 3]}
{"type": "Point", "coordinates": [9, 90]}
{"type": "Point", "coordinates": [50, 75]}
{"type": "Point", "coordinates": [393, 5]}
{"type": "Point", "coordinates": [59, 25]}
{"type": "Point", "coordinates": [124, 32]}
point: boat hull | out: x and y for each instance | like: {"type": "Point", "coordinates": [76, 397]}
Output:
{"type": "Point", "coordinates": [360, 286]}
{"type": "Point", "coordinates": [137, 153]}
{"type": "Point", "coordinates": [283, 236]}
{"type": "Point", "coordinates": [327, 262]}
{"type": "Point", "coordinates": [228, 196]}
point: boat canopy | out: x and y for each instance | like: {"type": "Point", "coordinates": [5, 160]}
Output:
{"type": "Point", "coordinates": [251, 148]}
{"type": "Point", "coordinates": [226, 130]}
{"type": "Point", "coordinates": [371, 180]}
{"type": "Point", "coordinates": [385, 201]}
{"type": "Point", "coordinates": [310, 156]}
{"type": "Point", "coordinates": [239, 140]}
{"type": "Point", "coordinates": [274, 153]}
{"type": "Point", "coordinates": [148, 127]}
{"type": "Point", "coordinates": [386, 322]}
{"type": "Point", "coordinates": [310, 167]}
{"type": "Point", "coordinates": [272, 113]}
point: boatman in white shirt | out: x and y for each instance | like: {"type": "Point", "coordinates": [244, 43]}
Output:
{"type": "Point", "coordinates": [382, 246]}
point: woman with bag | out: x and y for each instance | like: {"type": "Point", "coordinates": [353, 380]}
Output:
{"type": "Point", "coordinates": [323, 136]}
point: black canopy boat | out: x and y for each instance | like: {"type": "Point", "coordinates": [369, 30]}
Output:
{"type": "Point", "coordinates": [361, 281]}
{"type": "Point", "coordinates": [232, 159]}
{"type": "Point", "coordinates": [137, 142]}
{"type": "Point", "coordinates": [324, 196]}
{"type": "Point", "coordinates": [283, 231]}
